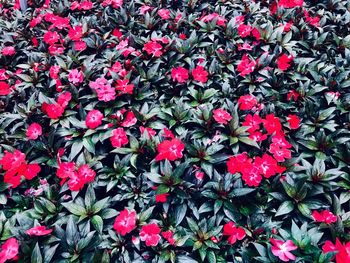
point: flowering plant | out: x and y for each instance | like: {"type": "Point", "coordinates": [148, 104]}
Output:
{"type": "Point", "coordinates": [175, 131]}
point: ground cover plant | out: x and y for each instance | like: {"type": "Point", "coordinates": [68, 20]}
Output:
{"type": "Point", "coordinates": [175, 131]}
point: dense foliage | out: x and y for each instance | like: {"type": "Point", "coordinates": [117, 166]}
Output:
{"type": "Point", "coordinates": [175, 131]}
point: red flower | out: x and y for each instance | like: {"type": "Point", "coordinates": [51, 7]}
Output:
{"type": "Point", "coordinates": [9, 250]}
{"type": "Point", "coordinates": [244, 30]}
{"type": "Point", "coordinates": [93, 119]}
{"type": "Point", "coordinates": [150, 234]}
{"type": "Point", "coordinates": [5, 88]}
{"type": "Point", "coordinates": [252, 121]}
{"type": "Point", "coordinates": [75, 182]}
{"type": "Point", "coordinates": [149, 131]}
{"type": "Point", "coordinates": [294, 121]}
{"type": "Point", "coordinates": [153, 48]}
{"type": "Point", "coordinates": [66, 170]}
{"type": "Point", "coordinates": [38, 231]}
{"type": "Point", "coordinates": [272, 124]}
{"type": "Point", "coordinates": [251, 175]}
{"type": "Point", "coordinates": [34, 131]}
{"type": "Point", "coordinates": [293, 95]}
{"type": "Point", "coordinates": [283, 62]}
{"type": "Point", "coordinates": [16, 166]}
{"type": "Point", "coordinates": [129, 120]}
{"type": "Point", "coordinates": [200, 74]}
{"type": "Point", "coordinates": [324, 216]}
{"type": "Point", "coordinates": [247, 102]}
{"type": "Point", "coordinates": [235, 163]}
{"type": "Point", "coordinates": [280, 153]}
{"type": "Point", "coordinates": [51, 38]}
{"type": "Point", "coordinates": [86, 173]}
{"type": "Point", "coordinates": [246, 66]}
{"type": "Point", "coordinates": [290, 3]}
{"type": "Point", "coordinates": [170, 150]}
{"type": "Point", "coordinates": [119, 138]}
{"type": "Point", "coordinates": [221, 116]}
{"type": "Point", "coordinates": [161, 198]}
{"type": "Point", "coordinates": [124, 87]}
{"type": "Point", "coordinates": [282, 249]}
{"type": "Point", "coordinates": [234, 233]}
{"type": "Point", "coordinates": [125, 222]}
{"type": "Point", "coordinates": [342, 250]}
{"type": "Point", "coordinates": [80, 45]}
{"type": "Point", "coordinates": [179, 74]}
{"type": "Point", "coordinates": [266, 165]}
{"type": "Point", "coordinates": [53, 111]}
{"type": "Point", "coordinates": [168, 235]}
{"type": "Point", "coordinates": [75, 33]}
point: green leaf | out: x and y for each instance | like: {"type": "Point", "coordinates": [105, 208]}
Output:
{"type": "Point", "coordinates": [36, 255]}
{"type": "Point", "coordinates": [75, 209]}
{"type": "Point", "coordinates": [97, 223]}
{"type": "Point", "coordinates": [285, 208]}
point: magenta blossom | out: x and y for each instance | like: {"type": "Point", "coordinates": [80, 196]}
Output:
{"type": "Point", "coordinates": [282, 249]}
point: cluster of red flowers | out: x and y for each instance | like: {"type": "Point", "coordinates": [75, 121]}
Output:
{"type": "Point", "coordinates": [16, 166]}
{"type": "Point", "coordinates": [181, 75]}
{"type": "Point", "coordinates": [77, 178]}
{"type": "Point", "coordinates": [342, 250]}
{"type": "Point", "coordinates": [125, 222]}
{"type": "Point", "coordinates": [265, 166]}
{"type": "Point", "coordinates": [56, 110]}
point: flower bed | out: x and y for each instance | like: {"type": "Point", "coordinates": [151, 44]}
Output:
{"type": "Point", "coordinates": [175, 131]}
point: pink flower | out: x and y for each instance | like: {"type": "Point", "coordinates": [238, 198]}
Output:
{"type": "Point", "coordinates": [234, 233]}
{"type": "Point", "coordinates": [221, 116]}
{"type": "Point", "coordinates": [8, 51]}
{"type": "Point", "coordinates": [103, 89]}
{"type": "Point", "coordinates": [179, 74]}
{"type": "Point", "coordinates": [200, 74]}
{"type": "Point", "coordinates": [164, 13]}
{"type": "Point", "coordinates": [119, 138]}
{"type": "Point", "coordinates": [150, 234]}
{"type": "Point", "coordinates": [144, 9]}
{"type": "Point", "coordinates": [9, 250]}
{"type": "Point", "coordinates": [93, 119]}
{"type": "Point", "coordinates": [38, 231]}
{"type": "Point", "coordinates": [34, 131]}
{"type": "Point", "coordinates": [75, 76]}
{"type": "Point", "coordinates": [282, 249]}
{"type": "Point", "coordinates": [125, 222]}
{"type": "Point", "coordinates": [54, 71]}
{"type": "Point", "coordinates": [86, 173]}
